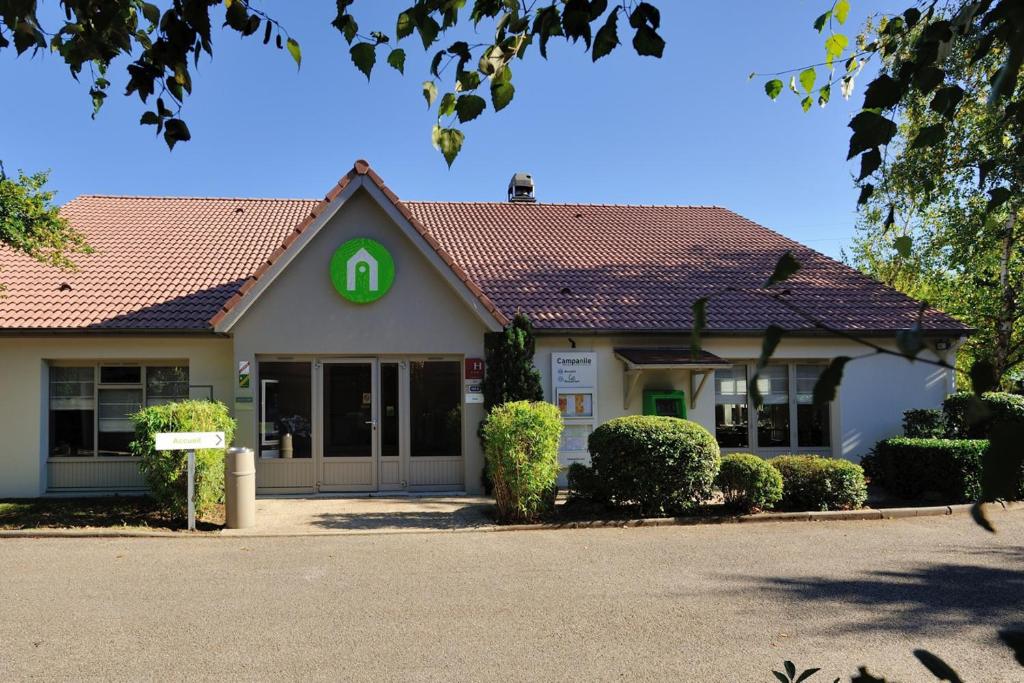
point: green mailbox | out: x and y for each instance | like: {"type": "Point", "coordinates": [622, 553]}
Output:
{"type": "Point", "coordinates": [665, 403]}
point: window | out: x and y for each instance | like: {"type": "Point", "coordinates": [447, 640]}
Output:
{"type": "Point", "coordinates": [91, 405]}
{"type": "Point", "coordinates": [72, 411]}
{"type": "Point", "coordinates": [389, 423]}
{"type": "Point", "coordinates": [731, 414]}
{"type": "Point", "coordinates": [812, 422]}
{"type": "Point", "coordinates": [286, 407]}
{"type": "Point", "coordinates": [435, 407]}
{"type": "Point", "coordinates": [773, 416]}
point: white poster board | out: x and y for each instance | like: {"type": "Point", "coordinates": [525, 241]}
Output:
{"type": "Point", "coordinates": [574, 392]}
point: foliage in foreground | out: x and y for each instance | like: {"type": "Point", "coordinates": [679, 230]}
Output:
{"type": "Point", "coordinates": [521, 447]}
{"type": "Point", "coordinates": [166, 472]}
{"type": "Point", "coordinates": [662, 464]}
{"type": "Point", "coordinates": [811, 482]}
{"type": "Point", "coordinates": [968, 416]}
{"type": "Point", "coordinates": [748, 482]}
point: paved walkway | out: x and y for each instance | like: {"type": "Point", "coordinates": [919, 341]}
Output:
{"type": "Point", "coordinates": [329, 515]}
{"type": "Point", "coordinates": [700, 603]}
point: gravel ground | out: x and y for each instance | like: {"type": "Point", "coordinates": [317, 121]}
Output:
{"type": "Point", "coordinates": [699, 603]}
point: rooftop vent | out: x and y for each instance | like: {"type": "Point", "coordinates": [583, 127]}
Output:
{"type": "Point", "coordinates": [520, 188]}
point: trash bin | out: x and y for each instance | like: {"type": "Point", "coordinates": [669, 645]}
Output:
{"type": "Point", "coordinates": [240, 488]}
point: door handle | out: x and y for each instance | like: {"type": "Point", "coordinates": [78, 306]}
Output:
{"type": "Point", "coordinates": [373, 423]}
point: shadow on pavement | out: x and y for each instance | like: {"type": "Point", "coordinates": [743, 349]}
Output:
{"type": "Point", "coordinates": [465, 518]}
{"type": "Point", "coordinates": [929, 599]}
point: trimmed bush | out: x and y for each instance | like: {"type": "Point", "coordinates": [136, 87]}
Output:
{"type": "Point", "coordinates": [950, 468]}
{"type": "Point", "coordinates": [166, 472]}
{"type": "Point", "coordinates": [748, 482]}
{"type": "Point", "coordinates": [521, 447]}
{"type": "Point", "coordinates": [924, 423]}
{"type": "Point", "coordinates": [970, 417]}
{"type": "Point", "coordinates": [811, 482]}
{"type": "Point", "coordinates": [663, 464]}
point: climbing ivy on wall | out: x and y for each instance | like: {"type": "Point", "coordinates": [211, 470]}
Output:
{"type": "Point", "coordinates": [510, 373]}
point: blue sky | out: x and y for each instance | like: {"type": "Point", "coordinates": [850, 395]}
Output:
{"type": "Point", "coordinates": [687, 129]}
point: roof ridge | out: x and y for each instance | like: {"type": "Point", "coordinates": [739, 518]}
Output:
{"type": "Point", "coordinates": [164, 197]}
{"type": "Point", "coordinates": [542, 204]}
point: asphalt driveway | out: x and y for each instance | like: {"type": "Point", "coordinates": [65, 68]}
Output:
{"type": "Point", "coordinates": [700, 603]}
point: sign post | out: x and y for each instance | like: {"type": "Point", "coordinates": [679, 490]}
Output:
{"type": "Point", "coordinates": [191, 442]}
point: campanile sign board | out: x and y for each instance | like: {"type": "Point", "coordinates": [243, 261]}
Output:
{"type": "Point", "coordinates": [574, 390]}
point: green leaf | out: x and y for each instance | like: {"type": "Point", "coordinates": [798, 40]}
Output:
{"type": "Point", "coordinates": [807, 674]}
{"type": "Point", "coordinates": [829, 380]}
{"type": "Point", "coordinates": [449, 142]}
{"type": "Point", "coordinates": [149, 118]}
{"type": "Point", "coordinates": [607, 38]}
{"type": "Point", "coordinates": [175, 131]}
{"type": "Point", "coordinates": [883, 93]}
{"type": "Point", "coordinates": [929, 136]}
{"type": "Point", "coordinates": [790, 668]}
{"type": "Point", "coordinates": [822, 21]}
{"type": "Point", "coordinates": [773, 88]}
{"type": "Point", "coordinates": [784, 269]}
{"type": "Point", "coordinates": [869, 130]}
{"type": "Point", "coordinates": [295, 51]}
{"type": "Point", "coordinates": [997, 197]}
{"type": "Point", "coordinates": [468, 107]}
{"type": "Point", "coordinates": [151, 12]}
{"type": "Point", "coordinates": [502, 90]}
{"type": "Point", "coordinates": [428, 29]}
{"type": "Point", "coordinates": [364, 56]}
{"type": "Point", "coordinates": [781, 676]}
{"type": "Point", "coordinates": [946, 100]}
{"type": "Point", "coordinates": [903, 244]}
{"type": "Point", "coordinates": [700, 323]}
{"type": "Point", "coordinates": [835, 45]}
{"type": "Point", "coordinates": [807, 102]}
{"type": "Point", "coordinates": [405, 26]}
{"type": "Point", "coordinates": [447, 106]}
{"type": "Point", "coordinates": [396, 59]}
{"type": "Point", "coordinates": [866, 190]}
{"type": "Point", "coordinates": [429, 92]}
{"type": "Point", "coordinates": [648, 43]}
{"type": "Point", "coordinates": [824, 94]}
{"type": "Point", "coordinates": [807, 78]}
{"type": "Point", "coordinates": [841, 11]}
{"type": "Point", "coordinates": [467, 80]}
{"type": "Point", "coordinates": [910, 342]}
{"type": "Point", "coordinates": [869, 163]}
{"type": "Point", "coordinates": [937, 667]}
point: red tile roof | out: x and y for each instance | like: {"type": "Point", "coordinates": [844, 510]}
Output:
{"type": "Point", "coordinates": [165, 263]}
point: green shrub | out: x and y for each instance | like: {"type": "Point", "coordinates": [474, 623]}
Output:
{"type": "Point", "coordinates": [924, 423]}
{"type": "Point", "coordinates": [970, 417]}
{"type": "Point", "coordinates": [950, 468]}
{"type": "Point", "coordinates": [585, 485]}
{"type": "Point", "coordinates": [811, 482]}
{"type": "Point", "coordinates": [166, 472]}
{"type": "Point", "coordinates": [748, 482]}
{"type": "Point", "coordinates": [663, 464]}
{"type": "Point", "coordinates": [521, 447]}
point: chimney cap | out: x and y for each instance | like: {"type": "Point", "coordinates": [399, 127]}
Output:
{"type": "Point", "coordinates": [521, 188]}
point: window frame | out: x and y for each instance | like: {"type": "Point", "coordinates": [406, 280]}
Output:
{"type": "Point", "coordinates": [143, 364]}
{"type": "Point", "coordinates": [794, 446]}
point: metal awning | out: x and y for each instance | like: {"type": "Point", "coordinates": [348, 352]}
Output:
{"type": "Point", "coordinates": [638, 359]}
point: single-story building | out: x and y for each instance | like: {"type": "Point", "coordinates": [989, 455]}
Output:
{"type": "Point", "coordinates": [347, 334]}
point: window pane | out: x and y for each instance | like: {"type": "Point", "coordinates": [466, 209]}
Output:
{"type": "Point", "coordinates": [732, 425]}
{"type": "Point", "coordinates": [389, 409]}
{"type": "Point", "coordinates": [286, 393]}
{"type": "Point", "coordinates": [115, 426]}
{"type": "Point", "coordinates": [773, 383]}
{"type": "Point", "coordinates": [806, 377]}
{"type": "Point", "coordinates": [72, 411]}
{"type": "Point", "coordinates": [120, 374]}
{"type": "Point", "coordinates": [731, 417]}
{"type": "Point", "coordinates": [165, 384]}
{"type": "Point", "coordinates": [812, 425]}
{"type": "Point", "coordinates": [435, 403]}
{"type": "Point", "coordinates": [348, 410]}
{"type": "Point", "coordinates": [773, 426]}
{"type": "Point", "coordinates": [731, 385]}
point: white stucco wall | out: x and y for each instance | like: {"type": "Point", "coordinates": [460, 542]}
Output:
{"type": "Point", "coordinates": [24, 389]}
{"type": "Point", "coordinates": [869, 407]}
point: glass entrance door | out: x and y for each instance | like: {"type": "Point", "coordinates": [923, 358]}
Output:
{"type": "Point", "coordinates": [350, 440]}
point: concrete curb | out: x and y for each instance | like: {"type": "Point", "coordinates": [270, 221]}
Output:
{"type": "Point", "coordinates": [829, 516]}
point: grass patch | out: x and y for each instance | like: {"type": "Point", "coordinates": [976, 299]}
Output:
{"type": "Point", "coordinates": [106, 513]}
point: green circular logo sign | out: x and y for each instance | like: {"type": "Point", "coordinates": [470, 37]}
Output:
{"type": "Point", "coordinates": [362, 270]}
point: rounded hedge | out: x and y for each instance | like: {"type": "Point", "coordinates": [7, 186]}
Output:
{"type": "Point", "coordinates": [969, 417]}
{"type": "Point", "coordinates": [748, 482]}
{"type": "Point", "coordinates": [521, 448]}
{"type": "Point", "coordinates": [811, 482]}
{"type": "Point", "coordinates": [166, 472]}
{"type": "Point", "coordinates": [664, 465]}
